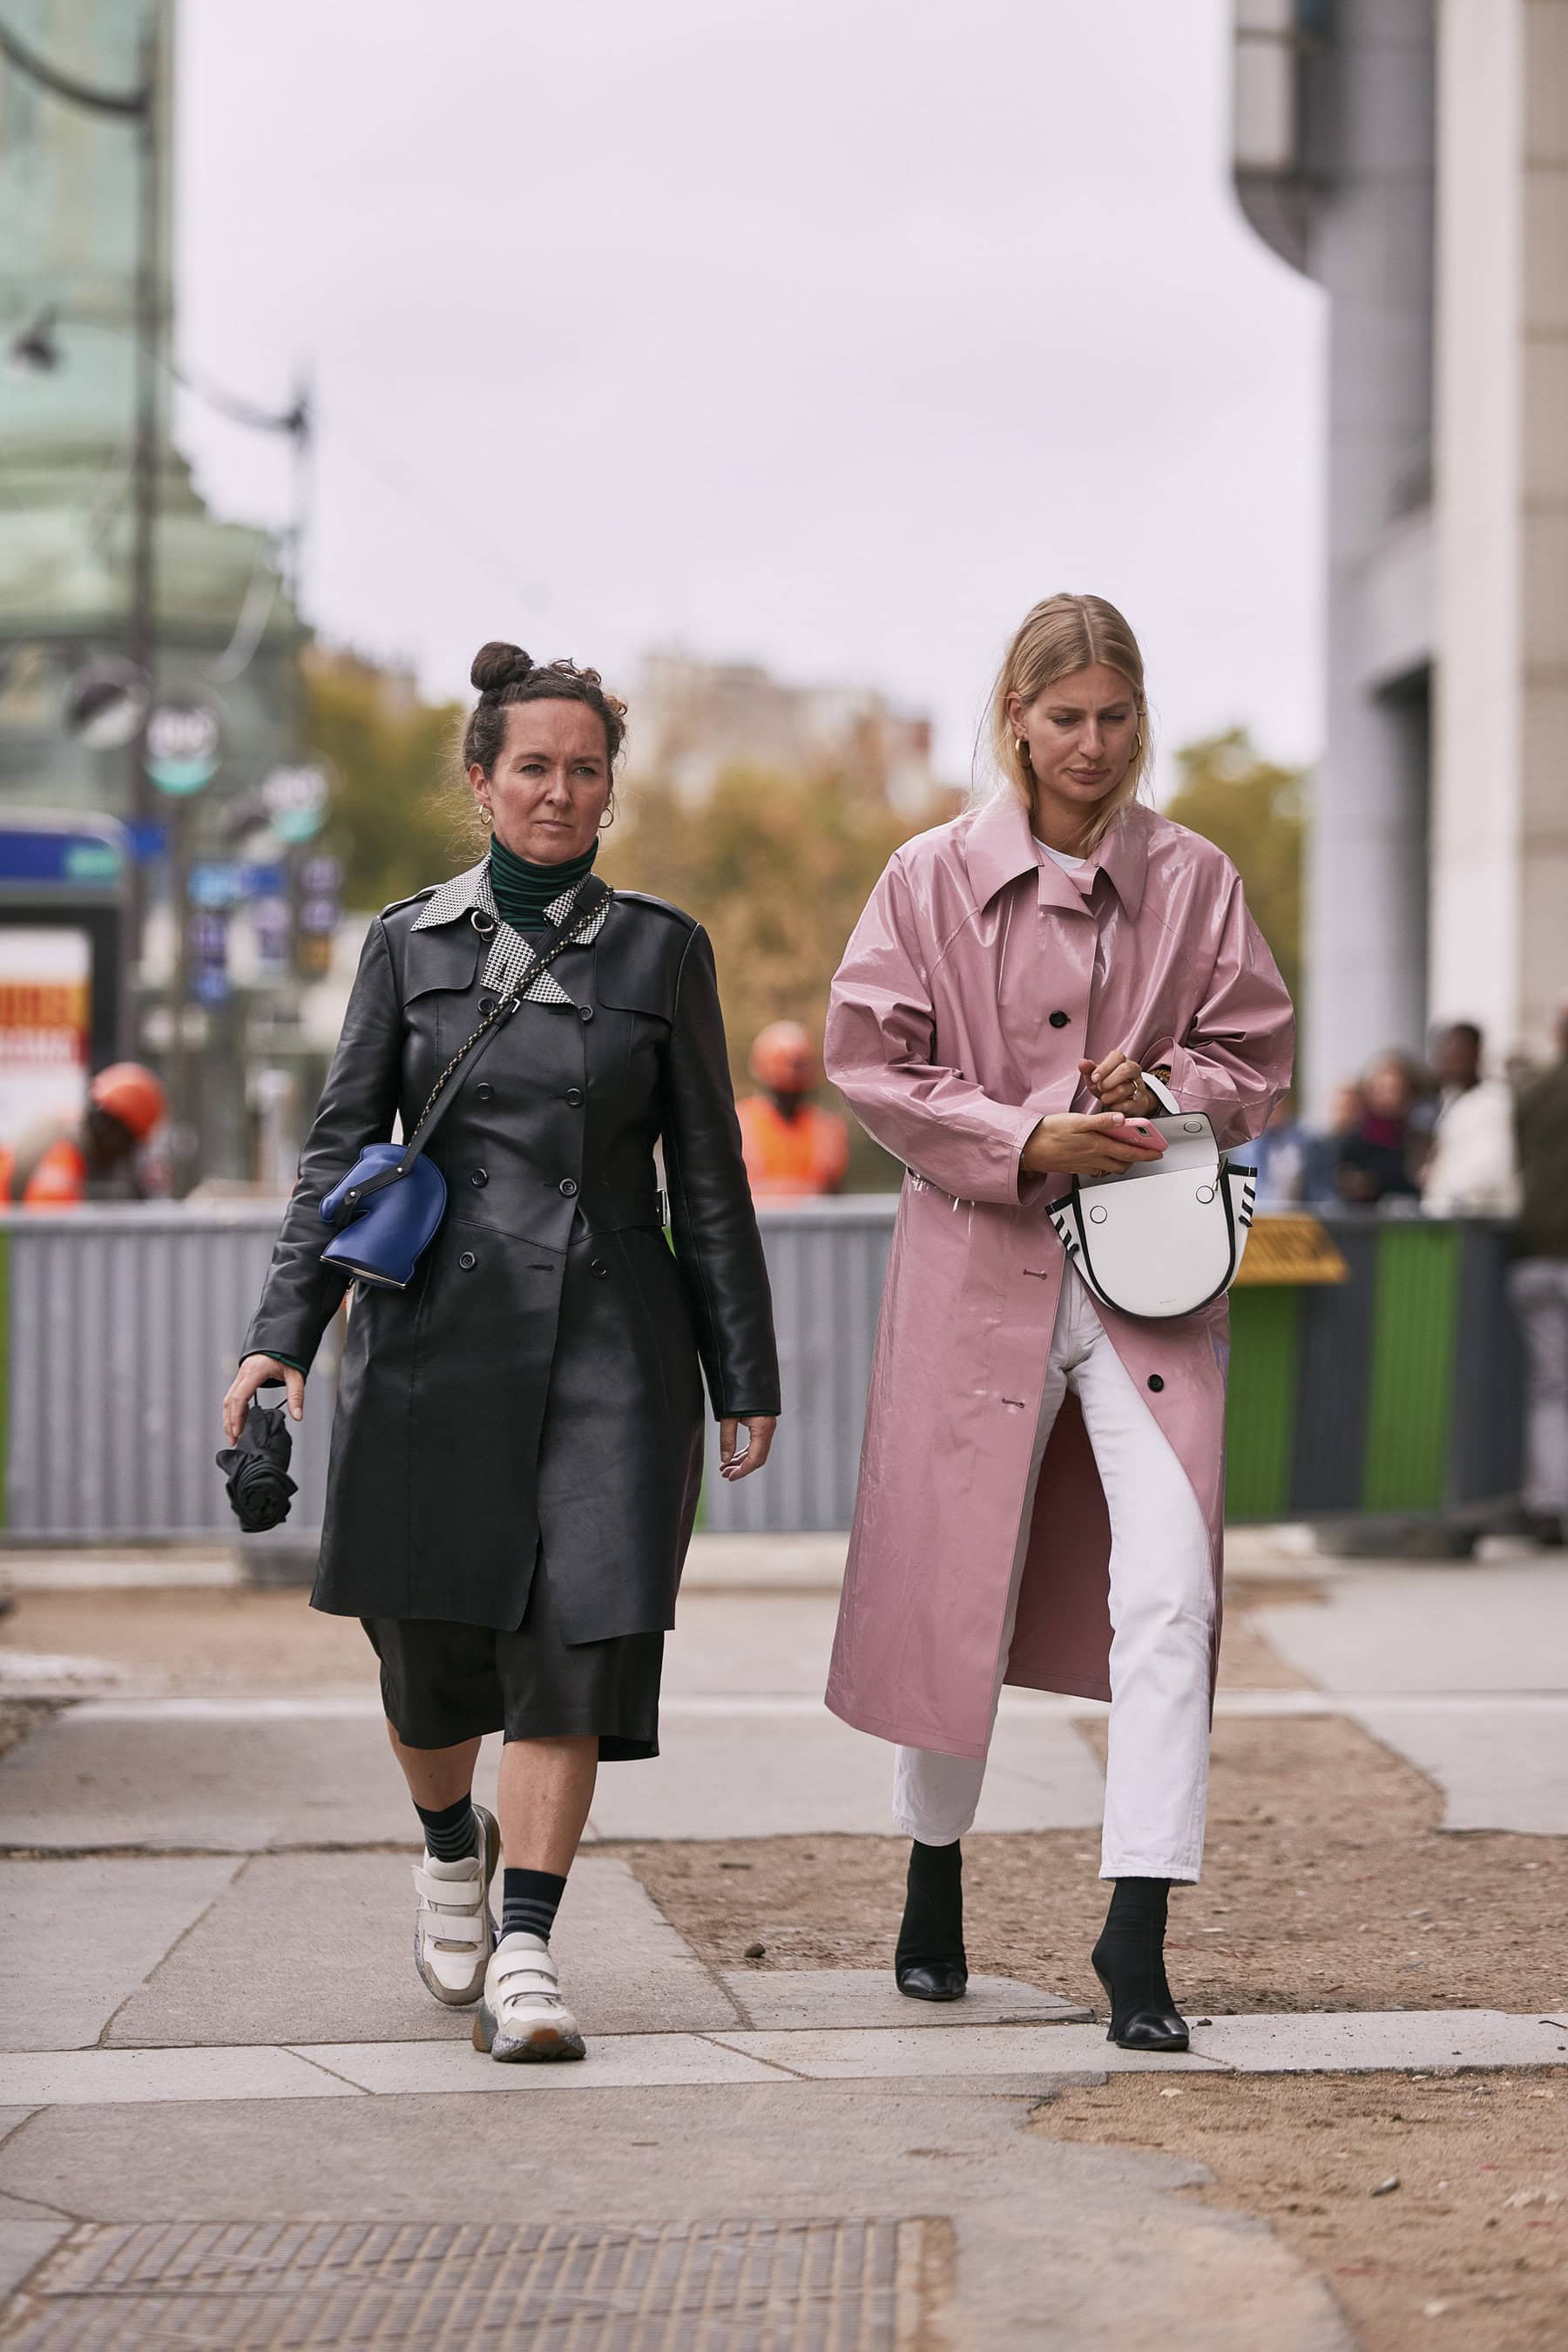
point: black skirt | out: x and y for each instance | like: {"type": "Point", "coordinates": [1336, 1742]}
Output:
{"type": "Point", "coordinates": [443, 1682]}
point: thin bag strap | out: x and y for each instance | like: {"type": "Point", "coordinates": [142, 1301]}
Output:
{"type": "Point", "coordinates": [592, 897]}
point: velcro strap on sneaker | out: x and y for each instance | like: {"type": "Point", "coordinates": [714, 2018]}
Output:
{"type": "Point", "coordinates": [450, 1895]}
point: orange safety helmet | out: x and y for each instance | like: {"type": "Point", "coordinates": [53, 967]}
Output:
{"type": "Point", "coordinates": [131, 1095]}
{"type": "Point", "coordinates": [783, 1059]}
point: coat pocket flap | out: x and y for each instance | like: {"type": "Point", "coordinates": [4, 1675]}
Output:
{"type": "Point", "coordinates": [443, 959]}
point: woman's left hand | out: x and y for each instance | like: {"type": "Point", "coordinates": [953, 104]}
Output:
{"type": "Point", "coordinates": [735, 1462]}
{"type": "Point", "coordinates": [1119, 1083]}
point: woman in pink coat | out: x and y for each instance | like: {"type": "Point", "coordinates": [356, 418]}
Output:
{"type": "Point", "coordinates": [1041, 1485]}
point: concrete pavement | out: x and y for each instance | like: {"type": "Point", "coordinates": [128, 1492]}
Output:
{"type": "Point", "coordinates": [214, 2022]}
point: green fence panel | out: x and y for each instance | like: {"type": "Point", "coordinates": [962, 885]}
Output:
{"type": "Point", "coordinates": [1261, 1404]}
{"type": "Point", "coordinates": [1414, 1327]}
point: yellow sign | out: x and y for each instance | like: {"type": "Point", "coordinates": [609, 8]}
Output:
{"type": "Point", "coordinates": [1290, 1247]}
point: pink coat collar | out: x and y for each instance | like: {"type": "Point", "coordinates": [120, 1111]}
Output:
{"type": "Point", "coordinates": [999, 846]}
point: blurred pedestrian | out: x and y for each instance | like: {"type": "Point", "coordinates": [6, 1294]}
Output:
{"type": "Point", "coordinates": [1323, 1147]}
{"type": "Point", "coordinates": [1538, 1281]}
{"type": "Point", "coordinates": [518, 1448]}
{"type": "Point", "coordinates": [61, 1162]}
{"type": "Point", "coordinates": [1279, 1155]}
{"type": "Point", "coordinates": [1469, 1170]}
{"type": "Point", "coordinates": [1065, 946]}
{"type": "Point", "coordinates": [1376, 1159]}
{"type": "Point", "coordinates": [793, 1147]}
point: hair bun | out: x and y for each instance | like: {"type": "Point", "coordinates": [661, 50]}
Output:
{"type": "Point", "coordinates": [496, 666]}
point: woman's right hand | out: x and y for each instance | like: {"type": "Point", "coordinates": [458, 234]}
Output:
{"type": "Point", "coordinates": [1090, 1143]}
{"type": "Point", "coordinates": [251, 1375]}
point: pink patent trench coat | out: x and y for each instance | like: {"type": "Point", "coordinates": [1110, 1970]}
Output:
{"type": "Point", "coordinates": [978, 976]}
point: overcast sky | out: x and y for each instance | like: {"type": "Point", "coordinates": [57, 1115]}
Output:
{"type": "Point", "coordinates": [828, 333]}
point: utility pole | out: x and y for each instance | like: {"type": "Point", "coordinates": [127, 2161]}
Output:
{"type": "Point", "coordinates": [143, 644]}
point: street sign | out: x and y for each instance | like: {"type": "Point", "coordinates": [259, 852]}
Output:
{"type": "Point", "coordinates": [184, 746]}
{"type": "Point", "coordinates": [296, 801]}
{"type": "Point", "coordinates": [216, 885]}
{"type": "Point", "coordinates": [273, 928]}
{"type": "Point", "coordinates": [36, 854]}
{"type": "Point", "coordinates": [105, 703]}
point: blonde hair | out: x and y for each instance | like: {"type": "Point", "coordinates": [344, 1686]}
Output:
{"type": "Point", "coordinates": [1053, 641]}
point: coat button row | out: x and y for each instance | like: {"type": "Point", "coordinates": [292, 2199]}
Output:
{"type": "Point", "coordinates": [569, 1186]}
{"type": "Point", "coordinates": [467, 1260]}
{"type": "Point", "coordinates": [599, 1267]}
{"type": "Point", "coordinates": [573, 1097]}
{"type": "Point", "coordinates": [485, 1091]}
{"type": "Point", "coordinates": [1156, 1382]}
{"type": "Point", "coordinates": [1058, 1021]}
{"type": "Point", "coordinates": [480, 1179]}
{"type": "Point", "coordinates": [487, 1004]}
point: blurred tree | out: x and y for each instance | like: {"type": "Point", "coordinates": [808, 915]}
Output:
{"type": "Point", "coordinates": [777, 868]}
{"type": "Point", "coordinates": [1255, 811]}
{"type": "Point", "coordinates": [398, 817]}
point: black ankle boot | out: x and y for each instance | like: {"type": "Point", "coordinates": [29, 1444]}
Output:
{"type": "Point", "coordinates": [930, 1963]}
{"type": "Point", "coordinates": [1130, 1961]}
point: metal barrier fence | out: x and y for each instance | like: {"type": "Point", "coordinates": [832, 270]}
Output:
{"type": "Point", "coordinates": [1394, 1392]}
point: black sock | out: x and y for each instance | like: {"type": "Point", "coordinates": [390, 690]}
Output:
{"type": "Point", "coordinates": [529, 1900]}
{"type": "Point", "coordinates": [1132, 1947]}
{"type": "Point", "coordinates": [452, 1835]}
{"type": "Point", "coordinates": [932, 1926]}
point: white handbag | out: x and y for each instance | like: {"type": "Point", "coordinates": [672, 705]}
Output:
{"type": "Point", "coordinates": [1165, 1236]}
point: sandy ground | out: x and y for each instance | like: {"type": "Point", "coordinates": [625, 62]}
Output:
{"type": "Point", "coordinates": [1327, 1884]}
{"type": "Point", "coordinates": [1469, 2250]}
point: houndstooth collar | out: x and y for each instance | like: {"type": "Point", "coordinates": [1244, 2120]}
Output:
{"type": "Point", "coordinates": [511, 952]}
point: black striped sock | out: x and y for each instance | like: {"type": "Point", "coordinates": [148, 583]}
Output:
{"type": "Point", "coordinates": [452, 1835]}
{"type": "Point", "coordinates": [529, 1900]}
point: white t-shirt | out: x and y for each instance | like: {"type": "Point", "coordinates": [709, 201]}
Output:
{"type": "Point", "coordinates": [1065, 859]}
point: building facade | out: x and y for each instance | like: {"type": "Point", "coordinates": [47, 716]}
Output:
{"type": "Point", "coordinates": [1412, 156]}
{"type": "Point", "coordinates": [693, 720]}
{"type": "Point", "coordinates": [224, 633]}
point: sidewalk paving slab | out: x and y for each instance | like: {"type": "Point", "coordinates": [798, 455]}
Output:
{"type": "Point", "coordinates": [1498, 1768]}
{"type": "Point", "coordinates": [887, 2053]}
{"type": "Point", "coordinates": [1401, 2040]}
{"type": "Point", "coordinates": [260, 1965]}
{"type": "Point", "coordinates": [790, 1999]}
{"type": "Point", "coordinates": [1057, 2246]}
{"type": "Point", "coordinates": [82, 1937]}
{"type": "Point", "coordinates": [143, 2077]}
{"type": "Point", "coordinates": [804, 1773]}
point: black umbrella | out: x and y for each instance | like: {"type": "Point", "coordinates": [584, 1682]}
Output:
{"type": "Point", "coordinates": [256, 1470]}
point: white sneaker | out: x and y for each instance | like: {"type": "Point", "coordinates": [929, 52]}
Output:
{"type": "Point", "coordinates": [522, 2015]}
{"type": "Point", "coordinates": [454, 1933]}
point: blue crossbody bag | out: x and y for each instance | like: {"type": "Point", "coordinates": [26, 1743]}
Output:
{"type": "Point", "coordinates": [388, 1209]}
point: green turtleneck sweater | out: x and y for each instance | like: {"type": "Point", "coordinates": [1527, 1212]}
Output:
{"type": "Point", "coordinates": [523, 890]}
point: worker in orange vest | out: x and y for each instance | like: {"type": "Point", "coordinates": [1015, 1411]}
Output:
{"type": "Point", "coordinates": [793, 1149]}
{"type": "Point", "coordinates": [59, 1163]}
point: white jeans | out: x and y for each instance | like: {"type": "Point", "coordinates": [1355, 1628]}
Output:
{"type": "Point", "coordinates": [1162, 1618]}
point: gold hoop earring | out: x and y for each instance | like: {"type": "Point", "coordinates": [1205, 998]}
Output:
{"type": "Point", "coordinates": [486, 817]}
{"type": "Point", "coordinates": [1021, 745]}
{"type": "Point", "coordinates": [608, 820]}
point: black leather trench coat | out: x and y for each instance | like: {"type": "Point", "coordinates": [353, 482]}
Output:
{"type": "Point", "coordinates": [538, 1381]}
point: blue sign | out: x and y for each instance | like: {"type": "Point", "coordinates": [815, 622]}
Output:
{"type": "Point", "coordinates": [148, 840]}
{"type": "Point", "coordinates": [216, 885]}
{"type": "Point", "coordinates": [70, 860]}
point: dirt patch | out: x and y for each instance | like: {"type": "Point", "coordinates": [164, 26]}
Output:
{"type": "Point", "coordinates": [169, 1638]}
{"type": "Point", "coordinates": [1327, 1885]}
{"type": "Point", "coordinates": [1470, 2249]}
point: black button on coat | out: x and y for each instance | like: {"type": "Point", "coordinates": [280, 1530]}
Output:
{"type": "Point", "coordinates": [479, 1419]}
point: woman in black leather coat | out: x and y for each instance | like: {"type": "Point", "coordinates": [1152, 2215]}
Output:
{"type": "Point", "coordinates": [518, 1444]}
